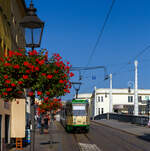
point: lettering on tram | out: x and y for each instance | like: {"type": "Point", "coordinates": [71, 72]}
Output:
{"type": "Point", "coordinates": [75, 116]}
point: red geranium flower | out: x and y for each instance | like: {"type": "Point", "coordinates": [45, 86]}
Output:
{"type": "Point", "coordinates": [30, 93]}
{"type": "Point", "coordinates": [27, 71]}
{"type": "Point", "coordinates": [8, 89]}
{"type": "Point", "coordinates": [61, 81]}
{"type": "Point", "coordinates": [7, 81]}
{"type": "Point", "coordinates": [43, 74]}
{"type": "Point", "coordinates": [26, 63]}
{"type": "Point", "coordinates": [5, 93]}
{"type": "Point", "coordinates": [46, 98]}
{"type": "Point", "coordinates": [71, 74]}
{"type": "Point", "coordinates": [13, 84]}
{"type": "Point", "coordinates": [39, 93]}
{"type": "Point", "coordinates": [16, 66]}
{"type": "Point", "coordinates": [20, 82]}
{"type": "Point", "coordinates": [25, 76]}
{"type": "Point", "coordinates": [41, 62]}
{"type": "Point", "coordinates": [36, 68]}
{"type": "Point", "coordinates": [7, 64]}
{"type": "Point", "coordinates": [5, 76]}
{"type": "Point", "coordinates": [48, 93]}
{"type": "Point", "coordinates": [49, 76]}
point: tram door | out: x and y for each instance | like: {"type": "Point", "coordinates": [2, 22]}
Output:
{"type": "Point", "coordinates": [0, 130]}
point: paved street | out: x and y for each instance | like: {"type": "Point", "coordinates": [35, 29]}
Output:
{"type": "Point", "coordinates": [100, 138]}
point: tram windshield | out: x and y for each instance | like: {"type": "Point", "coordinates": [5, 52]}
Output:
{"type": "Point", "coordinates": [79, 110]}
{"type": "Point", "coordinates": [79, 113]}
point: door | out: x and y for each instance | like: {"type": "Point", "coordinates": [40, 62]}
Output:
{"type": "Point", "coordinates": [6, 128]}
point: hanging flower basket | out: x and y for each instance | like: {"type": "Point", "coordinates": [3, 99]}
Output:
{"type": "Point", "coordinates": [48, 78]}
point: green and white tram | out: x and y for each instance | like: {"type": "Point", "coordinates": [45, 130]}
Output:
{"type": "Point", "coordinates": [75, 116]}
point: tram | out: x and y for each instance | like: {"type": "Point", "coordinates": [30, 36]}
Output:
{"type": "Point", "coordinates": [75, 116]}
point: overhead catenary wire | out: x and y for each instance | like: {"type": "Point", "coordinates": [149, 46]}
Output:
{"type": "Point", "coordinates": [101, 32]}
{"type": "Point", "coordinates": [134, 58]}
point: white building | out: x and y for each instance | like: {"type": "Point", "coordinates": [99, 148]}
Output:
{"type": "Point", "coordinates": [122, 101]}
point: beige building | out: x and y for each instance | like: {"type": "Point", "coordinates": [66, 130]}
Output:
{"type": "Point", "coordinates": [11, 37]}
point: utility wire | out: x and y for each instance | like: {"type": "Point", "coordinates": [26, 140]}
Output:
{"type": "Point", "coordinates": [130, 61]}
{"type": "Point", "coordinates": [101, 32]}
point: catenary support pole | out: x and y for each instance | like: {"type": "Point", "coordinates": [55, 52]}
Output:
{"type": "Point", "coordinates": [110, 96]}
{"type": "Point", "coordinates": [136, 107]}
{"type": "Point", "coordinates": [95, 103]}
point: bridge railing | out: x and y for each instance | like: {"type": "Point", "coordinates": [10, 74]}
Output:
{"type": "Point", "coordinates": [140, 120]}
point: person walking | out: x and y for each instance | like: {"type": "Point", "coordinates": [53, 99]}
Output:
{"type": "Point", "coordinates": [42, 126]}
{"type": "Point", "coordinates": [46, 125]}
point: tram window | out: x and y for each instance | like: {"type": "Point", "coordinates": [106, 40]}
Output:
{"type": "Point", "coordinates": [79, 113]}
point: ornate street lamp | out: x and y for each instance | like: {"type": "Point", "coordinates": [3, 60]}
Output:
{"type": "Point", "coordinates": [76, 86]}
{"type": "Point", "coordinates": [33, 28]}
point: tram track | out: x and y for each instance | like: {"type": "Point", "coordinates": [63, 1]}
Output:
{"type": "Point", "coordinates": [85, 143]}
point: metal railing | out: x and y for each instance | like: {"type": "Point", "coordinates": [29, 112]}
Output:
{"type": "Point", "coordinates": [140, 120]}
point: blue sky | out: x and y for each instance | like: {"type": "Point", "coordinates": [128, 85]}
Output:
{"type": "Point", "coordinates": [72, 28]}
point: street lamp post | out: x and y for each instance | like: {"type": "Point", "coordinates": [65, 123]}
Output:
{"type": "Point", "coordinates": [136, 106]}
{"type": "Point", "coordinates": [129, 90]}
{"type": "Point", "coordinates": [33, 30]}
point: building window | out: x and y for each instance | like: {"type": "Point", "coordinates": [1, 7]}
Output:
{"type": "Point", "coordinates": [130, 98]}
{"type": "Point", "coordinates": [139, 98]}
{"type": "Point", "coordinates": [101, 98]}
{"type": "Point", "coordinates": [99, 111]}
{"type": "Point", "coordinates": [102, 110]}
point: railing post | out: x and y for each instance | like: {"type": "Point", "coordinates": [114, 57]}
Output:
{"type": "Point", "coordinates": [107, 116]}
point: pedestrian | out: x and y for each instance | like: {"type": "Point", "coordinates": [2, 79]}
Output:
{"type": "Point", "coordinates": [45, 125]}
{"type": "Point", "coordinates": [39, 122]}
{"type": "Point", "coordinates": [42, 126]}
{"type": "Point", "coordinates": [148, 124]}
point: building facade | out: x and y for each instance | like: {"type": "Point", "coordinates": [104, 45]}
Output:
{"type": "Point", "coordinates": [11, 37]}
{"type": "Point", "coordinates": [122, 101]}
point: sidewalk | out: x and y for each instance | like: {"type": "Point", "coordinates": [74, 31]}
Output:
{"type": "Point", "coordinates": [44, 142]}
{"type": "Point", "coordinates": [139, 131]}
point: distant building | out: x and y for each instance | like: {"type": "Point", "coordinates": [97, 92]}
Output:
{"type": "Point", "coordinates": [123, 101]}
